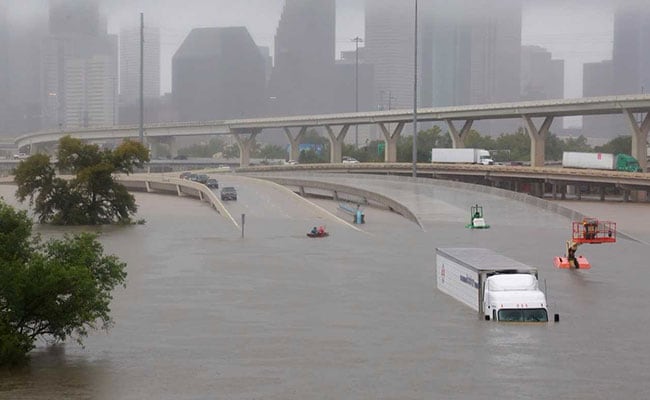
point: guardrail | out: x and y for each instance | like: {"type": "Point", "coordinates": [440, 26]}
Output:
{"type": "Point", "coordinates": [180, 187]}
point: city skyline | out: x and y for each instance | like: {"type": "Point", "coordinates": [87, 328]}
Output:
{"type": "Point", "coordinates": [581, 32]}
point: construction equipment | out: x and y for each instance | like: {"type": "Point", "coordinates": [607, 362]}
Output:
{"type": "Point", "coordinates": [587, 231]}
{"type": "Point", "coordinates": [476, 220]}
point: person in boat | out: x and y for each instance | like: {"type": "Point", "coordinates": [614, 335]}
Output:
{"type": "Point", "coordinates": [321, 230]}
{"type": "Point", "coordinates": [314, 231]}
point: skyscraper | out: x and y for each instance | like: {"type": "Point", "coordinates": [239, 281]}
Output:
{"type": "Point", "coordinates": [79, 67]}
{"type": "Point", "coordinates": [631, 52]}
{"type": "Point", "coordinates": [389, 46]}
{"type": "Point", "coordinates": [130, 64]}
{"type": "Point", "coordinates": [4, 73]}
{"type": "Point", "coordinates": [303, 71]}
{"type": "Point", "coordinates": [218, 73]}
{"type": "Point", "coordinates": [597, 80]}
{"type": "Point", "coordinates": [76, 17]}
{"type": "Point", "coordinates": [542, 77]}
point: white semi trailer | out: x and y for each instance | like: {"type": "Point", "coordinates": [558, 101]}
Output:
{"type": "Point", "coordinates": [467, 156]}
{"type": "Point", "coordinates": [495, 286]}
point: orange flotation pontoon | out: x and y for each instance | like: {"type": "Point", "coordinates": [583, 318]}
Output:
{"type": "Point", "coordinates": [564, 263]}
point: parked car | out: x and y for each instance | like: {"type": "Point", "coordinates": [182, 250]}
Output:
{"type": "Point", "coordinates": [228, 193]}
{"type": "Point", "coordinates": [202, 178]}
{"type": "Point", "coordinates": [350, 160]}
{"type": "Point", "coordinates": [185, 175]}
{"type": "Point", "coordinates": [212, 183]}
{"type": "Point", "coordinates": [20, 156]}
{"type": "Point", "coordinates": [292, 162]}
{"type": "Point", "coordinates": [180, 157]}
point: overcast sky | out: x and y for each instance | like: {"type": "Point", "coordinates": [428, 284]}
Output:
{"type": "Point", "coordinates": [577, 31]}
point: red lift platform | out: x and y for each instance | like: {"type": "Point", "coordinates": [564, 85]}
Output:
{"type": "Point", "coordinates": [587, 231]}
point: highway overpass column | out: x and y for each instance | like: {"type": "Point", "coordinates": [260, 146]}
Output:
{"type": "Point", "coordinates": [294, 142]}
{"type": "Point", "coordinates": [390, 153]}
{"type": "Point", "coordinates": [157, 143]}
{"type": "Point", "coordinates": [458, 138]}
{"type": "Point", "coordinates": [336, 142]}
{"type": "Point", "coordinates": [639, 138]}
{"type": "Point", "coordinates": [537, 139]}
{"type": "Point", "coordinates": [244, 144]}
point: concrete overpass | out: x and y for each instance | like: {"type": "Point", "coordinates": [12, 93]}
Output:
{"type": "Point", "coordinates": [536, 115]}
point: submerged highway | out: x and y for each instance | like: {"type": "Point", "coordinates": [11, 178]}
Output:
{"type": "Point", "coordinates": [277, 315]}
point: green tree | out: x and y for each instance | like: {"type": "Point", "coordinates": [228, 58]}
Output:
{"type": "Point", "coordinates": [474, 140]}
{"type": "Point", "coordinates": [618, 145]}
{"type": "Point", "coordinates": [426, 140]}
{"type": "Point", "coordinates": [205, 150]}
{"type": "Point", "coordinates": [553, 147]}
{"type": "Point", "coordinates": [54, 290]}
{"type": "Point", "coordinates": [91, 196]}
{"type": "Point", "coordinates": [312, 137]}
{"type": "Point", "coordinates": [578, 144]}
{"type": "Point", "coordinates": [518, 143]}
{"type": "Point", "coordinates": [271, 151]}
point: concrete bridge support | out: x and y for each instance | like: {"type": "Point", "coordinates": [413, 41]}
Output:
{"type": "Point", "coordinates": [390, 154]}
{"type": "Point", "coordinates": [537, 139]}
{"type": "Point", "coordinates": [458, 137]}
{"type": "Point", "coordinates": [639, 146]}
{"type": "Point", "coordinates": [245, 143]}
{"type": "Point", "coordinates": [639, 137]}
{"type": "Point", "coordinates": [294, 142]}
{"type": "Point", "coordinates": [336, 142]}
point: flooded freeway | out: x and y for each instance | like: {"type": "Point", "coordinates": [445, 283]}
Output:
{"type": "Point", "coordinates": [276, 315]}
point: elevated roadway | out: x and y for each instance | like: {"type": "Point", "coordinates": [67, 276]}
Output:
{"type": "Point", "coordinates": [391, 123]}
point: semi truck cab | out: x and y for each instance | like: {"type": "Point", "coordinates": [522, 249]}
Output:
{"type": "Point", "coordinates": [514, 298]}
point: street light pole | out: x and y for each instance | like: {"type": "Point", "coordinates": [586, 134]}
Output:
{"type": "Point", "coordinates": [356, 41]}
{"type": "Point", "coordinates": [415, 95]}
{"type": "Point", "coordinates": [141, 130]}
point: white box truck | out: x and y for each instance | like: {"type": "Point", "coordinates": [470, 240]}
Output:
{"type": "Point", "coordinates": [607, 161]}
{"type": "Point", "coordinates": [495, 286]}
{"type": "Point", "coordinates": [468, 156]}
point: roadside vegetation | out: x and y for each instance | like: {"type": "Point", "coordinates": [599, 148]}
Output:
{"type": "Point", "coordinates": [50, 290]}
{"type": "Point", "coordinates": [89, 195]}
{"type": "Point", "coordinates": [504, 148]}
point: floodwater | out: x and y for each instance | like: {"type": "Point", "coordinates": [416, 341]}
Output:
{"type": "Point", "coordinates": [276, 315]}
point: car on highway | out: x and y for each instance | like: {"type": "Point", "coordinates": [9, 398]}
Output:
{"type": "Point", "coordinates": [202, 178]}
{"type": "Point", "coordinates": [350, 160]}
{"type": "Point", "coordinates": [228, 193]}
{"type": "Point", "coordinates": [212, 183]}
{"type": "Point", "coordinates": [291, 162]}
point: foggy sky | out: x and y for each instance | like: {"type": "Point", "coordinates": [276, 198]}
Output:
{"type": "Point", "coordinates": [577, 31]}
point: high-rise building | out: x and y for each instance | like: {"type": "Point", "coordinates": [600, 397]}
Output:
{"type": "Point", "coordinates": [24, 76]}
{"type": "Point", "coordinates": [4, 74]}
{"type": "Point", "coordinates": [542, 77]}
{"type": "Point", "coordinates": [303, 71]}
{"type": "Point", "coordinates": [218, 73]}
{"type": "Point", "coordinates": [470, 54]}
{"type": "Point", "coordinates": [597, 80]}
{"type": "Point", "coordinates": [130, 64]}
{"type": "Point", "coordinates": [79, 67]}
{"type": "Point", "coordinates": [76, 17]}
{"type": "Point", "coordinates": [389, 46]}
{"type": "Point", "coordinates": [631, 51]}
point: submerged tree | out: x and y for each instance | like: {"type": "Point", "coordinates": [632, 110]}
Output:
{"type": "Point", "coordinates": [91, 196]}
{"type": "Point", "coordinates": [52, 290]}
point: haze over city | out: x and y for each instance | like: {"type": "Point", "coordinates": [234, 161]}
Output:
{"type": "Point", "coordinates": [572, 32]}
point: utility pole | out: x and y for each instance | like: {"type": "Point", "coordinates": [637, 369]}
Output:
{"type": "Point", "coordinates": [356, 41]}
{"type": "Point", "coordinates": [141, 78]}
{"type": "Point", "coordinates": [415, 95]}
